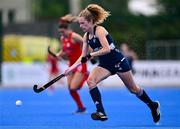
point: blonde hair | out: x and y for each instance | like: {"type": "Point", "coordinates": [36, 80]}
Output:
{"type": "Point", "coordinates": [66, 20]}
{"type": "Point", "coordinates": [69, 18]}
{"type": "Point", "coordinates": [94, 12]}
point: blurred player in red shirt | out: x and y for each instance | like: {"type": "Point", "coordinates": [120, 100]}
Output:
{"type": "Point", "coordinates": [71, 43]}
{"type": "Point", "coordinates": [54, 69]}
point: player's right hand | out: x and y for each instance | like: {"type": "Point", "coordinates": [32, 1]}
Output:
{"type": "Point", "coordinates": [85, 58]}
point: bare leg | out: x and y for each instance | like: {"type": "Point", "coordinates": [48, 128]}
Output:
{"type": "Point", "coordinates": [140, 93]}
{"type": "Point", "coordinates": [97, 75]}
{"type": "Point", "coordinates": [74, 84]}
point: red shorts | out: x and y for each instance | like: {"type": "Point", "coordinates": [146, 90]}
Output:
{"type": "Point", "coordinates": [85, 76]}
{"type": "Point", "coordinates": [82, 69]}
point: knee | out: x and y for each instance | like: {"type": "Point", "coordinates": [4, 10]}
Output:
{"type": "Point", "coordinates": [91, 83]}
{"type": "Point", "coordinates": [73, 88]}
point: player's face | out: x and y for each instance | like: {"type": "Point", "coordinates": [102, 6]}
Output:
{"type": "Point", "coordinates": [84, 24]}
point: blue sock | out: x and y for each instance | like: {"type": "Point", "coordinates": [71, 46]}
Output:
{"type": "Point", "coordinates": [145, 98]}
{"type": "Point", "coordinates": [96, 96]}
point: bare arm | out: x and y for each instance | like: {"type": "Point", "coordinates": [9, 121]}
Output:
{"type": "Point", "coordinates": [60, 54]}
{"type": "Point", "coordinates": [101, 34]}
{"type": "Point", "coordinates": [77, 38]}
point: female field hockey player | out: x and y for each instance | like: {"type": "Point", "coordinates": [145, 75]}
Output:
{"type": "Point", "coordinates": [111, 61]}
{"type": "Point", "coordinates": [130, 55]}
{"type": "Point", "coordinates": [53, 69]}
{"type": "Point", "coordinates": [71, 48]}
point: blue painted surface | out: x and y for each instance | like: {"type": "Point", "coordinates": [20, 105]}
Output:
{"type": "Point", "coordinates": [54, 111]}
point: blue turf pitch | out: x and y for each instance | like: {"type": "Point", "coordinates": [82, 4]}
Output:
{"type": "Point", "coordinates": [125, 111]}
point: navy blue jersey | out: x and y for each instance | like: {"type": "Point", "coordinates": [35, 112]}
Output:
{"type": "Point", "coordinates": [111, 59]}
{"type": "Point", "coordinates": [115, 55]}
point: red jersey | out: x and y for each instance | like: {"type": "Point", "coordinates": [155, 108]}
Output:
{"type": "Point", "coordinates": [71, 48]}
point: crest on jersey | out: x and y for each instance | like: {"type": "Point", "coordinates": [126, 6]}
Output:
{"type": "Point", "coordinates": [94, 40]}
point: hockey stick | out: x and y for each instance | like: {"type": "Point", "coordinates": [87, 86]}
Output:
{"type": "Point", "coordinates": [42, 88]}
{"type": "Point", "coordinates": [37, 90]}
{"type": "Point", "coordinates": [50, 52]}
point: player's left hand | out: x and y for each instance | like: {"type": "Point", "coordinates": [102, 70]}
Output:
{"type": "Point", "coordinates": [93, 61]}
